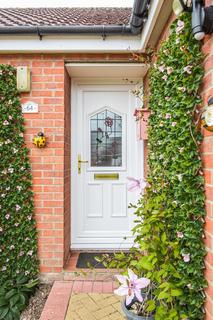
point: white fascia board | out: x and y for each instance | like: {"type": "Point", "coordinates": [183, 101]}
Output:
{"type": "Point", "coordinates": [50, 44]}
{"type": "Point", "coordinates": [150, 23]}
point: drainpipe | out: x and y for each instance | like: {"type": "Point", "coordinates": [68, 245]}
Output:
{"type": "Point", "coordinates": [138, 17]}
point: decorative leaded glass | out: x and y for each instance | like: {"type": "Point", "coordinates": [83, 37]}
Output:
{"type": "Point", "coordinates": [106, 139]}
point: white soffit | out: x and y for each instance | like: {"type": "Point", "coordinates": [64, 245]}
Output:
{"type": "Point", "coordinates": [106, 70]}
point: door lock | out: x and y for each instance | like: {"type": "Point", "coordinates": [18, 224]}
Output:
{"type": "Point", "coordinates": [80, 162]}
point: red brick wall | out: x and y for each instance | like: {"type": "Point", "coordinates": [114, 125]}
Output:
{"type": "Point", "coordinates": [50, 88]}
{"type": "Point", "coordinates": [207, 158]}
{"type": "Point", "coordinates": [67, 166]}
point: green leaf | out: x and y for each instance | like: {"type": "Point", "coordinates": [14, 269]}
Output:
{"type": "Point", "coordinates": [14, 299]}
{"type": "Point", "coordinates": [151, 305]}
{"type": "Point", "coordinates": [144, 263]}
{"type": "Point", "coordinates": [11, 293]}
{"type": "Point", "coordinates": [3, 302]}
{"type": "Point", "coordinates": [3, 312]}
{"type": "Point", "coordinates": [10, 316]}
{"type": "Point", "coordinates": [176, 292]}
{"type": "Point", "coordinates": [163, 295]}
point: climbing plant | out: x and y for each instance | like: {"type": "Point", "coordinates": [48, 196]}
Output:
{"type": "Point", "coordinates": [172, 209]}
{"type": "Point", "coordinates": [170, 215]}
{"type": "Point", "coordinates": [18, 237]}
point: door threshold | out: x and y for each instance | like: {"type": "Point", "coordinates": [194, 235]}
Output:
{"type": "Point", "coordinates": [71, 269]}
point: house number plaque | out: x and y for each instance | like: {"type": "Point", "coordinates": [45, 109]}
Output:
{"type": "Point", "coordinates": [30, 107]}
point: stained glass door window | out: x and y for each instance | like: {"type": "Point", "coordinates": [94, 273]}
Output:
{"type": "Point", "coordinates": [106, 139]}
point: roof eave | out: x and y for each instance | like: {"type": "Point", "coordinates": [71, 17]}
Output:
{"type": "Point", "coordinates": [137, 20]}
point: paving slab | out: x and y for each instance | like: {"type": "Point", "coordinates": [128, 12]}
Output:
{"type": "Point", "coordinates": [94, 306]}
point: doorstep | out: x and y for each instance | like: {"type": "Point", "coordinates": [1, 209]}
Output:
{"type": "Point", "coordinates": [57, 304]}
{"type": "Point", "coordinates": [71, 272]}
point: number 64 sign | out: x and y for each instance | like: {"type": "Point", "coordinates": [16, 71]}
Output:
{"type": "Point", "coordinates": [30, 107]}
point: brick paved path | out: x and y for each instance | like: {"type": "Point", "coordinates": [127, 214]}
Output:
{"type": "Point", "coordinates": [83, 300]}
{"type": "Point", "coordinates": [94, 306]}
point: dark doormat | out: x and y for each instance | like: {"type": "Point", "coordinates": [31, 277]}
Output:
{"type": "Point", "coordinates": [87, 260]}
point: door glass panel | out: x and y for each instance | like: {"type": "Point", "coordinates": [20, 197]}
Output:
{"type": "Point", "coordinates": [106, 139]}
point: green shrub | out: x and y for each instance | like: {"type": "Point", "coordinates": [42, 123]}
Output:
{"type": "Point", "coordinates": [18, 236]}
{"type": "Point", "coordinates": [14, 296]}
{"type": "Point", "coordinates": [170, 216]}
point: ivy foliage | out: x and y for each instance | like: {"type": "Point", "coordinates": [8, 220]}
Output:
{"type": "Point", "coordinates": [170, 215]}
{"type": "Point", "coordinates": [18, 236]}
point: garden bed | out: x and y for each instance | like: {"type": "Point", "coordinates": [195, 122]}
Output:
{"type": "Point", "coordinates": [36, 303]}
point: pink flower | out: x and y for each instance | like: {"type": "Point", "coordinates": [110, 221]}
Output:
{"type": "Point", "coordinates": [161, 68]}
{"type": "Point", "coordinates": [180, 177]}
{"type": "Point", "coordinates": [167, 98]}
{"type": "Point", "coordinates": [168, 116]}
{"type": "Point", "coordinates": [7, 216]}
{"type": "Point", "coordinates": [5, 123]}
{"type": "Point", "coordinates": [180, 26]}
{"type": "Point", "coordinates": [21, 253]}
{"type": "Point", "coordinates": [165, 77]}
{"type": "Point", "coordinates": [1, 229]}
{"type": "Point", "coordinates": [17, 207]}
{"type": "Point", "coordinates": [30, 253]}
{"type": "Point", "coordinates": [16, 224]}
{"type": "Point", "coordinates": [3, 268]}
{"type": "Point", "coordinates": [10, 117]}
{"type": "Point", "coordinates": [131, 286]}
{"type": "Point", "coordinates": [180, 234]}
{"type": "Point", "coordinates": [12, 247]}
{"type": "Point", "coordinates": [183, 89]}
{"type": "Point", "coordinates": [135, 184]}
{"type": "Point", "coordinates": [169, 70]}
{"type": "Point", "coordinates": [188, 69]}
{"type": "Point", "coordinates": [29, 218]}
{"type": "Point", "coordinates": [10, 170]}
{"type": "Point", "coordinates": [186, 257]}
{"type": "Point", "coordinates": [174, 124]}
{"type": "Point", "coordinates": [189, 286]}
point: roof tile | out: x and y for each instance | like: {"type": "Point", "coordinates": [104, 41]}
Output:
{"type": "Point", "coordinates": [63, 16]}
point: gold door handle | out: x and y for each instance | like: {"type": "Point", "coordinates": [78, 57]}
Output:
{"type": "Point", "coordinates": [80, 162]}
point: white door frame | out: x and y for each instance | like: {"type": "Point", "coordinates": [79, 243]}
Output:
{"type": "Point", "coordinates": [137, 171]}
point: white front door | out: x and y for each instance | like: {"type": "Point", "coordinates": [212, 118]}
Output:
{"type": "Point", "coordinates": [104, 136]}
